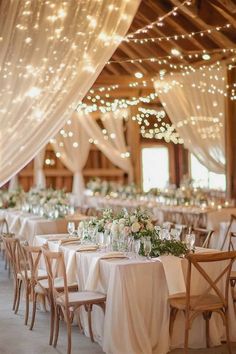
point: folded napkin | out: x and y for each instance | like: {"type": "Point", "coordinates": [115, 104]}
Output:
{"type": "Point", "coordinates": [69, 240]}
{"type": "Point", "coordinates": [83, 248]}
{"type": "Point", "coordinates": [174, 274]}
{"type": "Point", "coordinates": [109, 255]}
{"type": "Point", "coordinates": [93, 279]}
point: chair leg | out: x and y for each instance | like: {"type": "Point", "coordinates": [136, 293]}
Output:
{"type": "Point", "coordinates": [57, 319]}
{"type": "Point", "coordinates": [27, 294]}
{"type": "Point", "coordinates": [33, 310]}
{"type": "Point", "coordinates": [173, 313]}
{"type": "Point", "coordinates": [68, 325]}
{"type": "Point", "coordinates": [89, 309]}
{"type": "Point", "coordinates": [15, 295]}
{"type": "Point", "coordinates": [207, 317]}
{"type": "Point", "coordinates": [186, 333]}
{"type": "Point", "coordinates": [19, 285]}
{"type": "Point", "coordinates": [227, 332]}
{"type": "Point", "coordinates": [52, 319]}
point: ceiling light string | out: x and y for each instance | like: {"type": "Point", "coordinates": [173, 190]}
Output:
{"type": "Point", "coordinates": [176, 54]}
{"type": "Point", "coordinates": [159, 21]}
{"type": "Point", "coordinates": [178, 36]}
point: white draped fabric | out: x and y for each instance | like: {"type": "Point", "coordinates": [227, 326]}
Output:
{"type": "Point", "coordinates": [13, 183]}
{"type": "Point", "coordinates": [114, 149]}
{"type": "Point", "coordinates": [39, 176]}
{"type": "Point", "coordinates": [72, 146]}
{"type": "Point", "coordinates": [195, 105]}
{"type": "Point", "coordinates": [51, 52]}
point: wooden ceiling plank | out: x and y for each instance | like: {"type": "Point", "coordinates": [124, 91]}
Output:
{"type": "Point", "coordinates": [231, 19]}
{"type": "Point", "coordinates": [184, 25]}
{"type": "Point", "coordinates": [218, 37]}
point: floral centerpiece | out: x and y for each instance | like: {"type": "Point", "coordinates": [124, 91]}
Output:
{"type": "Point", "coordinates": [11, 199]}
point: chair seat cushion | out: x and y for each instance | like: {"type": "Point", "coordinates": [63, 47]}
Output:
{"type": "Point", "coordinates": [209, 302]}
{"type": "Point", "coordinates": [58, 283]}
{"type": "Point", "coordinates": [82, 297]}
{"type": "Point", "coordinates": [42, 274]}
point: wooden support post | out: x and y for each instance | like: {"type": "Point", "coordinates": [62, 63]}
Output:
{"type": "Point", "coordinates": [230, 139]}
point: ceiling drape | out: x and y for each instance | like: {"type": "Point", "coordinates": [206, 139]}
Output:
{"type": "Point", "coordinates": [72, 146]}
{"type": "Point", "coordinates": [195, 103]}
{"type": "Point", "coordinates": [39, 176]}
{"type": "Point", "coordinates": [51, 52]}
{"type": "Point", "coordinates": [114, 150]}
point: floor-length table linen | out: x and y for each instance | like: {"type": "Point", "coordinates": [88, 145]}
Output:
{"type": "Point", "coordinates": [137, 312]}
{"type": "Point", "coordinates": [25, 225]}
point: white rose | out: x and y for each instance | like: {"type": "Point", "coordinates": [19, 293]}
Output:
{"type": "Point", "coordinates": [149, 226]}
{"type": "Point", "coordinates": [122, 221]}
{"type": "Point", "coordinates": [135, 227]}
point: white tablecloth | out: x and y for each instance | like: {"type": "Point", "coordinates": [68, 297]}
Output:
{"type": "Point", "coordinates": [26, 225]}
{"type": "Point", "coordinates": [137, 310]}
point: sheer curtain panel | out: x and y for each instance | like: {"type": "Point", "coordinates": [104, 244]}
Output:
{"type": "Point", "coordinates": [195, 104]}
{"type": "Point", "coordinates": [51, 52]}
{"type": "Point", "coordinates": [72, 146]}
{"type": "Point", "coordinates": [39, 176]}
{"type": "Point", "coordinates": [112, 150]}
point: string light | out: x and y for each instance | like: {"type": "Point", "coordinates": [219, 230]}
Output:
{"type": "Point", "coordinates": [176, 37]}
{"type": "Point", "coordinates": [162, 60]}
{"type": "Point", "coordinates": [159, 21]}
{"type": "Point", "coordinates": [107, 106]}
{"type": "Point", "coordinates": [159, 129]}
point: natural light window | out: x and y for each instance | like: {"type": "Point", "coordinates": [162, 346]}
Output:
{"type": "Point", "coordinates": [155, 167]}
{"type": "Point", "coordinates": [202, 177]}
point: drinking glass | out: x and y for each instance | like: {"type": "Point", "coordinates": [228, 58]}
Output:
{"type": "Point", "coordinates": [147, 248]}
{"type": "Point", "coordinates": [71, 227]}
{"type": "Point", "coordinates": [137, 248]}
{"type": "Point", "coordinates": [190, 241]}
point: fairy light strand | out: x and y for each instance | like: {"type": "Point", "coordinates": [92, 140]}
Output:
{"type": "Point", "coordinates": [159, 21]}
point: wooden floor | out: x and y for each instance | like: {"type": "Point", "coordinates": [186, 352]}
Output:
{"type": "Point", "coordinates": [15, 338]}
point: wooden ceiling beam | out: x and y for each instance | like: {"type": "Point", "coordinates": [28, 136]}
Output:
{"type": "Point", "coordinates": [219, 38]}
{"type": "Point", "coordinates": [181, 27]}
{"type": "Point", "coordinates": [231, 19]}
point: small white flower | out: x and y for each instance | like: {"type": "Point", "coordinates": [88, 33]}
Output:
{"type": "Point", "coordinates": [133, 219]}
{"type": "Point", "coordinates": [135, 227]}
{"type": "Point", "coordinates": [122, 221]}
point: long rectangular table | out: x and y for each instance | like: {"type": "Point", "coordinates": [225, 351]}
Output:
{"type": "Point", "coordinates": [137, 310]}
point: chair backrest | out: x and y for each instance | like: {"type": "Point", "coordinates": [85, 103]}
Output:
{"type": "Point", "coordinates": [55, 266]}
{"type": "Point", "coordinates": [232, 236]}
{"type": "Point", "coordinates": [218, 286]}
{"type": "Point", "coordinates": [31, 256]}
{"type": "Point", "coordinates": [203, 236]}
{"type": "Point", "coordinates": [12, 247]}
{"type": "Point", "coordinates": [232, 220]}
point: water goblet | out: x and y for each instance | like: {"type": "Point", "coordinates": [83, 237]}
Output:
{"type": "Point", "coordinates": [136, 247]}
{"type": "Point", "coordinates": [71, 227]}
{"type": "Point", "coordinates": [147, 248]}
{"type": "Point", "coordinates": [190, 241]}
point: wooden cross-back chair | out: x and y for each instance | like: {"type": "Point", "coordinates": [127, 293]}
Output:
{"type": "Point", "coordinates": [203, 236]}
{"type": "Point", "coordinates": [11, 245]}
{"type": "Point", "coordinates": [232, 237]}
{"type": "Point", "coordinates": [31, 274]}
{"type": "Point", "coordinates": [227, 233]}
{"type": "Point", "coordinates": [66, 302]}
{"type": "Point", "coordinates": [212, 299]}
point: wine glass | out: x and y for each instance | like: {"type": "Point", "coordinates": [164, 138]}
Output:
{"type": "Point", "coordinates": [71, 227]}
{"type": "Point", "coordinates": [190, 241]}
{"type": "Point", "coordinates": [147, 248]}
{"type": "Point", "coordinates": [136, 247]}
